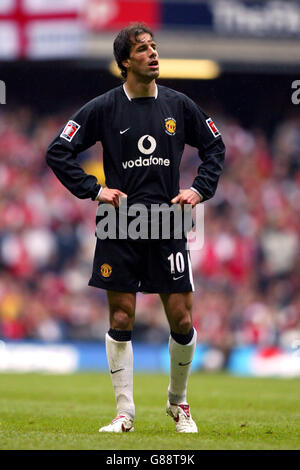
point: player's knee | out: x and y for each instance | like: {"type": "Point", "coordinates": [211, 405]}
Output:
{"type": "Point", "coordinates": [184, 323]}
{"type": "Point", "coordinates": [122, 320]}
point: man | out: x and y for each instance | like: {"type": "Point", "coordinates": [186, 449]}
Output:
{"type": "Point", "coordinates": [143, 128]}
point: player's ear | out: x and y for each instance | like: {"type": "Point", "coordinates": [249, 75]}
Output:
{"type": "Point", "coordinates": [126, 63]}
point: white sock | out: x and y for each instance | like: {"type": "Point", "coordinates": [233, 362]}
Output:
{"type": "Point", "coordinates": [181, 356]}
{"type": "Point", "coordinates": [120, 361]}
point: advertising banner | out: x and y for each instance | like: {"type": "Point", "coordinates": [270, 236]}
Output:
{"type": "Point", "coordinates": [43, 29]}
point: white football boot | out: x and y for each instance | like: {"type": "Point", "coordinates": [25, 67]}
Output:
{"type": "Point", "coordinates": [182, 417]}
{"type": "Point", "coordinates": [121, 423]}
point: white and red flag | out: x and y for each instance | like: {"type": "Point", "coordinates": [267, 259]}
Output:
{"type": "Point", "coordinates": [40, 28]}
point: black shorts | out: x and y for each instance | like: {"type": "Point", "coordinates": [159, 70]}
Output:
{"type": "Point", "coordinates": [149, 266]}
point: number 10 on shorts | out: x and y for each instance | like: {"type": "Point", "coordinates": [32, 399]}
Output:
{"type": "Point", "coordinates": [177, 260]}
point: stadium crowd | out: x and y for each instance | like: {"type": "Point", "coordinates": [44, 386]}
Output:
{"type": "Point", "coordinates": [247, 283]}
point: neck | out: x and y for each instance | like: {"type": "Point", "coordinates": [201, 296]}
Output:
{"type": "Point", "coordinates": [136, 89]}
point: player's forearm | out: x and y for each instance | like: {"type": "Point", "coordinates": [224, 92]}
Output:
{"type": "Point", "coordinates": [70, 173]}
{"type": "Point", "coordinates": [209, 171]}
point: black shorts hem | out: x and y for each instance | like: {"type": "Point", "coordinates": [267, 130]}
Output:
{"type": "Point", "coordinates": [166, 290]}
{"type": "Point", "coordinates": [159, 290]}
{"type": "Point", "coordinates": [105, 286]}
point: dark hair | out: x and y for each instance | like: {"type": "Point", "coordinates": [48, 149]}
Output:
{"type": "Point", "coordinates": [123, 43]}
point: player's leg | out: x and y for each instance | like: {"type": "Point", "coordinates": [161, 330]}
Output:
{"type": "Point", "coordinates": [182, 344]}
{"type": "Point", "coordinates": [120, 358]}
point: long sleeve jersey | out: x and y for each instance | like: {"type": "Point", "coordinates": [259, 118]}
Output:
{"type": "Point", "coordinates": [143, 141]}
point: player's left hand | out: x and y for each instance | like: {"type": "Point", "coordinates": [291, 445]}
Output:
{"type": "Point", "coordinates": [187, 196]}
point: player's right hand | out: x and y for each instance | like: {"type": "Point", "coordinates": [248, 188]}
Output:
{"type": "Point", "coordinates": [111, 196]}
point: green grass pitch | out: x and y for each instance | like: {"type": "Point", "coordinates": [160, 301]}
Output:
{"type": "Point", "coordinates": [64, 412]}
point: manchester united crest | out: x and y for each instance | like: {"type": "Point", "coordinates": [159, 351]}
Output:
{"type": "Point", "coordinates": [170, 126]}
{"type": "Point", "coordinates": [106, 270]}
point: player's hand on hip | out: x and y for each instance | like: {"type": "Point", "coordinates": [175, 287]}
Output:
{"type": "Point", "coordinates": [111, 196]}
{"type": "Point", "coordinates": [187, 196]}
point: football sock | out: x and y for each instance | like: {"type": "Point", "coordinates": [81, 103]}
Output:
{"type": "Point", "coordinates": [181, 356]}
{"type": "Point", "coordinates": [183, 339]}
{"type": "Point", "coordinates": [120, 361]}
{"type": "Point", "coordinates": [120, 335]}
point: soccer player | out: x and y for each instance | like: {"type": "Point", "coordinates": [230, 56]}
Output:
{"type": "Point", "coordinates": [143, 128]}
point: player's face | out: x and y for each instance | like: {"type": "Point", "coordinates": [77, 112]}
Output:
{"type": "Point", "coordinates": [143, 60]}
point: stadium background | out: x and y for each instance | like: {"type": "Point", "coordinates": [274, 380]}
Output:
{"type": "Point", "coordinates": [55, 56]}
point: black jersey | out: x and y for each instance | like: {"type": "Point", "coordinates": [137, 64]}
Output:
{"type": "Point", "coordinates": [143, 140]}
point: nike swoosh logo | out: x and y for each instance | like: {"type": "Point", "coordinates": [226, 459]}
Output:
{"type": "Point", "coordinates": [114, 371]}
{"type": "Point", "coordinates": [186, 364]}
{"type": "Point", "coordinates": [125, 130]}
{"type": "Point", "coordinates": [176, 278]}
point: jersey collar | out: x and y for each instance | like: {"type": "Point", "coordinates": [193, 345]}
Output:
{"type": "Point", "coordinates": [155, 96]}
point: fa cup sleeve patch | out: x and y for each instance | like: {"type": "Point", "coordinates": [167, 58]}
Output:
{"type": "Point", "coordinates": [70, 130]}
{"type": "Point", "coordinates": [212, 127]}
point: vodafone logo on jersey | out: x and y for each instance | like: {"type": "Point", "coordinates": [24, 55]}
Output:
{"type": "Point", "coordinates": [147, 150]}
{"type": "Point", "coordinates": [146, 145]}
